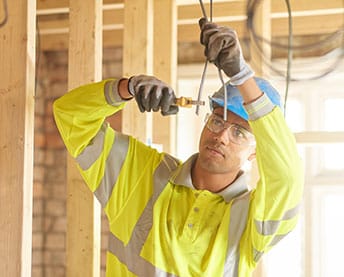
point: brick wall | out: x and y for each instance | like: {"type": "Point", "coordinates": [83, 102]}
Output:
{"type": "Point", "coordinates": [49, 204]}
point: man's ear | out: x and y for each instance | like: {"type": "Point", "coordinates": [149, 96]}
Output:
{"type": "Point", "coordinates": [252, 156]}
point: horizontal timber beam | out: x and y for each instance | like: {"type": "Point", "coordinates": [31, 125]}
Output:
{"type": "Point", "coordinates": [187, 8]}
{"type": "Point", "coordinates": [46, 5]}
{"type": "Point", "coordinates": [316, 17]}
{"type": "Point", "coordinates": [113, 34]}
{"type": "Point", "coordinates": [306, 5]}
{"type": "Point", "coordinates": [319, 137]}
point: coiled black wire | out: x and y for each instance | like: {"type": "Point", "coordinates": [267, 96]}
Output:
{"type": "Point", "coordinates": [257, 40]}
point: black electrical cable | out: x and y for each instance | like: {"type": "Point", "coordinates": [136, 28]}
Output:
{"type": "Point", "coordinates": [330, 69]}
{"type": "Point", "coordinates": [206, 64]}
{"type": "Point", "coordinates": [200, 89]}
{"type": "Point", "coordinates": [4, 21]}
{"type": "Point", "coordinates": [250, 12]}
{"type": "Point", "coordinates": [331, 37]}
{"type": "Point", "coordinates": [251, 7]}
{"type": "Point", "coordinates": [338, 60]}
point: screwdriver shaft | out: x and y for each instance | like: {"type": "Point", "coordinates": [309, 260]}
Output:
{"type": "Point", "coordinates": [188, 102]}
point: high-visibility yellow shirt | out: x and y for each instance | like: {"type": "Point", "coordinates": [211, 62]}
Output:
{"type": "Point", "coordinates": [160, 224]}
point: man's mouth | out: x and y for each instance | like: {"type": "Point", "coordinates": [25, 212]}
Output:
{"type": "Point", "coordinates": [216, 150]}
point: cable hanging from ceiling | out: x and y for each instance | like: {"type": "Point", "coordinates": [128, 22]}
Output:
{"type": "Point", "coordinates": [251, 8]}
{"type": "Point", "coordinates": [258, 40]}
{"type": "Point", "coordinates": [206, 65]}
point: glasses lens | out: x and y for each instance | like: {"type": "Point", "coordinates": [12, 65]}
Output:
{"type": "Point", "coordinates": [236, 133]}
{"type": "Point", "coordinates": [215, 124]}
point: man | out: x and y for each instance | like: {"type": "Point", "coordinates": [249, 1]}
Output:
{"type": "Point", "coordinates": [196, 218]}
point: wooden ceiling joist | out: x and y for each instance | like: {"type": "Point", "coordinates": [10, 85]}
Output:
{"type": "Point", "coordinates": [311, 25]}
{"type": "Point", "coordinates": [57, 39]}
{"type": "Point", "coordinates": [316, 17]}
{"type": "Point", "coordinates": [315, 24]}
{"type": "Point", "coordinates": [218, 6]}
{"type": "Point", "coordinates": [306, 5]}
{"type": "Point", "coordinates": [46, 5]}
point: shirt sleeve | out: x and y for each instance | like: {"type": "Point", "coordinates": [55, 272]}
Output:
{"type": "Point", "coordinates": [275, 202]}
{"type": "Point", "coordinates": [80, 113]}
{"type": "Point", "coordinates": [99, 151]}
{"type": "Point", "coordinates": [116, 167]}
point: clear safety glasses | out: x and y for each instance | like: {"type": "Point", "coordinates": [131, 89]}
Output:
{"type": "Point", "coordinates": [236, 134]}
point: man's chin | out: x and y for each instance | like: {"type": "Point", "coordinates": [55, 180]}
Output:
{"type": "Point", "coordinates": [212, 166]}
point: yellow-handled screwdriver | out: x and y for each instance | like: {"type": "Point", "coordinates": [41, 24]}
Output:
{"type": "Point", "coordinates": [187, 102]}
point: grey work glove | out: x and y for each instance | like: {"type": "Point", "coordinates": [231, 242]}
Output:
{"type": "Point", "coordinates": [222, 48]}
{"type": "Point", "coordinates": [152, 94]}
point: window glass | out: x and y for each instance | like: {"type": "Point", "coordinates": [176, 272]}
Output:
{"type": "Point", "coordinates": [332, 242]}
{"type": "Point", "coordinates": [294, 115]}
{"type": "Point", "coordinates": [327, 230]}
{"type": "Point", "coordinates": [334, 114]}
{"type": "Point", "coordinates": [333, 157]}
{"type": "Point", "coordinates": [333, 154]}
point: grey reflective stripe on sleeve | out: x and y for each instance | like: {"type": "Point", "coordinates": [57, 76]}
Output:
{"type": "Point", "coordinates": [269, 227]}
{"type": "Point", "coordinates": [257, 255]}
{"type": "Point", "coordinates": [111, 93]}
{"type": "Point", "coordinates": [134, 262]}
{"type": "Point", "coordinates": [238, 221]}
{"type": "Point", "coordinates": [113, 166]}
{"type": "Point", "coordinates": [259, 107]}
{"type": "Point", "coordinates": [277, 238]}
{"type": "Point", "coordinates": [92, 151]}
{"type": "Point", "coordinates": [130, 254]}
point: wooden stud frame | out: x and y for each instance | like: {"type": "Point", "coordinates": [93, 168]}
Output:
{"type": "Point", "coordinates": [83, 210]}
{"type": "Point", "coordinates": [17, 86]}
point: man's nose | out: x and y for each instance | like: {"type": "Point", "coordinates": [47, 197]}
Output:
{"type": "Point", "coordinates": [223, 136]}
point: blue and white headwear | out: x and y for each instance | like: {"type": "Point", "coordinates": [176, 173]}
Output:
{"type": "Point", "coordinates": [235, 101]}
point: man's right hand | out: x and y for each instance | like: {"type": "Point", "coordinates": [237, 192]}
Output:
{"type": "Point", "coordinates": [152, 94]}
{"type": "Point", "coordinates": [222, 48]}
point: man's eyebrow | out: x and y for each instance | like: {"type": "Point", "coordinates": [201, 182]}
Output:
{"type": "Point", "coordinates": [241, 127]}
{"type": "Point", "coordinates": [219, 115]}
{"type": "Point", "coordinates": [236, 124]}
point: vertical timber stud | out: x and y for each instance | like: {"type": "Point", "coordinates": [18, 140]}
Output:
{"type": "Point", "coordinates": [262, 25]}
{"type": "Point", "coordinates": [137, 59]}
{"type": "Point", "coordinates": [17, 86]}
{"type": "Point", "coordinates": [83, 210]}
{"type": "Point", "coordinates": [165, 67]}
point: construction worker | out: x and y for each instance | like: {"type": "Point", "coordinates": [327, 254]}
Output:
{"type": "Point", "coordinates": [197, 218]}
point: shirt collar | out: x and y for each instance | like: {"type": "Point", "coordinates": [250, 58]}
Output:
{"type": "Point", "coordinates": [238, 187]}
{"type": "Point", "coordinates": [182, 176]}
